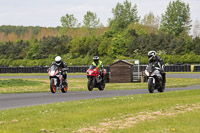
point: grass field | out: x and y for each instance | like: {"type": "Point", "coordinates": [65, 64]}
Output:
{"type": "Point", "coordinates": [42, 85]}
{"type": "Point", "coordinates": [34, 74]}
{"type": "Point", "coordinates": [169, 112]}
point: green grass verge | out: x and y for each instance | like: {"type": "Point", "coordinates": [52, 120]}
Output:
{"type": "Point", "coordinates": [34, 74]}
{"type": "Point", "coordinates": [75, 84]}
{"type": "Point", "coordinates": [153, 113]}
{"type": "Point", "coordinates": [18, 82]}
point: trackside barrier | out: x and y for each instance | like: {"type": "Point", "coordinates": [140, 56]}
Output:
{"type": "Point", "coordinates": [196, 69]}
{"type": "Point", "coordinates": [72, 69]}
{"type": "Point", "coordinates": [83, 69]}
{"type": "Point", "coordinates": [174, 68]}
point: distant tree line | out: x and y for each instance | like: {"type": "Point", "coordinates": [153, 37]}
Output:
{"type": "Point", "coordinates": [126, 37]}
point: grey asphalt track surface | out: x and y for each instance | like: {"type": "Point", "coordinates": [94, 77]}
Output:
{"type": "Point", "coordinates": [195, 76]}
{"type": "Point", "coordinates": [8, 101]}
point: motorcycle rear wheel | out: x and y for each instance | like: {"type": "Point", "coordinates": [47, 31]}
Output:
{"type": "Point", "coordinates": [64, 89]}
{"type": "Point", "coordinates": [102, 85]}
{"type": "Point", "coordinates": [90, 84]}
{"type": "Point", "coordinates": [162, 88]}
{"type": "Point", "coordinates": [52, 86]}
{"type": "Point", "coordinates": [150, 85]}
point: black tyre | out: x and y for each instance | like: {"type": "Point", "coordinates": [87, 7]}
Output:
{"type": "Point", "coordinates": [90, 84]}
{"type": "Point", "coordinates": [162, 88]}
{"type": "Point", "coordinates": [52, 86]}
{"type": "Point", "coordinates": [150, 85]}
{"type": "Point", "coordinates": [64, 89]}
{"type": "Point", "coordinates": [102, 85]}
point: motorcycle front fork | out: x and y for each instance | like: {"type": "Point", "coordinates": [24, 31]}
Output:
{"type": "Point", "coordinates": [61, 85]}
{"type": "Point", "coordinates": [92, 81]}
{"type": "Point", "coordinates": [154, 81]}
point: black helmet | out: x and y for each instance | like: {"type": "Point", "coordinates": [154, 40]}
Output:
{"type": "Point", "coordinates": [96, 58]}
{"type": "Point", "coordinates": [58, 60]}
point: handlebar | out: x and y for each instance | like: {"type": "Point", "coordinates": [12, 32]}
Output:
{"type": "Point", "coordinates": [157, 68]}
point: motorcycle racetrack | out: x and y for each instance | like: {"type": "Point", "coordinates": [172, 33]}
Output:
{"type": "Point", "coordinates": [8, 101]}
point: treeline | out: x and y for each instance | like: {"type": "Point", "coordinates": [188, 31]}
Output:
{"type": "Point", "coordinates": [111, 46]}
{"type": "Point", "coordinates": [126, 37]}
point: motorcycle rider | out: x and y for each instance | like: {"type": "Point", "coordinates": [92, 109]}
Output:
{"type": "Point", "coordinates": [61, 65]}
{"type": "Point", "coordinates": [158, 63]}
{"type": "Point", "coordinates": [96, 62]}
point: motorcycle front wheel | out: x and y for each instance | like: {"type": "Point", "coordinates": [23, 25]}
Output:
{"type": "Point", "coordinates": [52, 86]}
{"type": "Point", "coordinates": [150, 85]}
{"type": "Point", "coordinates": [90, 84]}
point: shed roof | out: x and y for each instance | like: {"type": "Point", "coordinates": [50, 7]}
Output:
{"type": "Point", "coordinates": [124, 61]}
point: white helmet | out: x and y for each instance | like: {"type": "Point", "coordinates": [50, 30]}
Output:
{"type": "Point", "coordinates": [151, 54]}
{"type": "Point", "coordinates": [58, 60]}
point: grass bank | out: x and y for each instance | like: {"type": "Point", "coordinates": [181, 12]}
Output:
{"type": "Point", "coordinates": [153, 113]}
{"type": "Point", "coordinates": [42, 85]}
{"type": "Point", "coordinates": [34, 74]}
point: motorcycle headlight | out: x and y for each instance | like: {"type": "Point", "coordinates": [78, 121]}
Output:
{"type": "Point", "coordinates": [90, 72]}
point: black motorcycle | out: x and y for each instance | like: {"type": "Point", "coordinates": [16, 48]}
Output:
{"type": "Point", "coordinates": [155, 79]}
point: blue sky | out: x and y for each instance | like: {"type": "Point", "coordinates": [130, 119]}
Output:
{"type": "Point", "coordinates": [48, 12]}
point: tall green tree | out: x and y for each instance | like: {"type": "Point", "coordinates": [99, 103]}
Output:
{"type": "Point", "coordinates": [91, 20]}
{"type": "Point", "coordinates": [151, 21]}
{"type": "Point", "coordinates": [196, 28]}
{"type": "Point", "coordinates": [68, 21]}
{"type": "Point", "coordinates": [33, 51]}
{"type": "Point", "coordinates": [176, 19]}
{"type": "Point", "coordinates": [123, 15]}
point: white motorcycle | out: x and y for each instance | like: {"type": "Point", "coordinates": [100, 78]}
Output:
{"type": "Point", "coordinates": [155, 79]}
{"type": "Point", "coordinates": [56, 79]}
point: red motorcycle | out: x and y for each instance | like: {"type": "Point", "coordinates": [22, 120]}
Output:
{"type": "Point", "coordinates": [56, 79]}
{"type": "Point", "coordinates": [95, 80]}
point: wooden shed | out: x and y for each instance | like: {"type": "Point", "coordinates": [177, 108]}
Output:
{"type": "Point", "coordinates": [121, 72]}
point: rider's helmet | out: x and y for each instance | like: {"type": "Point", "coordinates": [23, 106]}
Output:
{"type": "Point", "coordinates": [151, 54]}
{"type": "Point", "coordinates": [96, 59]}
{"type": "Point", "coordinates": [58, 60]}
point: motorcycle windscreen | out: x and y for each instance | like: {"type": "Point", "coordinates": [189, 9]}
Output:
{"type": "Point", "coordinates": [150, 67]}
{"type": "Point", "coordinates": [53, 68]}
{"type": "Point", "coordinates": [92, 67]}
